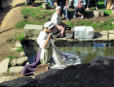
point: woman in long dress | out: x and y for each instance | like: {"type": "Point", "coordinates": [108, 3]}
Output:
{"type": "Point", "coordinates": [48, 50]}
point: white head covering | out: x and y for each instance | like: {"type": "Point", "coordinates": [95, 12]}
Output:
{"type": "Point", "coordinates": [58, 7]}
{"type": "Point", "coordinates": [49, 25]}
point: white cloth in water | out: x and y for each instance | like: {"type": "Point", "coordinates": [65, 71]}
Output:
{"type": "Point", "coordinates": [63, 59]}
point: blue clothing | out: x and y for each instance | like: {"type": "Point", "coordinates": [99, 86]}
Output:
{"type": "Point", "coordinates": [50, 2]}
{"type": "Point", "coordinates": [76, 3]}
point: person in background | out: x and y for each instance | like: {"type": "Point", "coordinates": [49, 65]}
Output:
{"type": "Point", "coordinates": [57, 21]}
{"type": "Point", "coordinates": [88, 4]}
{"type": "Point", "coordinates": [110, 4]}
{"type": "Point", "coordinates": [70, 3]}
{"type": "Point", "coordinates": [50, 2]}
{"type": "Point", "coordinates": [79, 5]}
{"type": "Point", "coordinates": [105, 3]}
{"type": "Point", "coordinates": [30, 2]}
{"type": "Point", "coordinates": [64, 7]}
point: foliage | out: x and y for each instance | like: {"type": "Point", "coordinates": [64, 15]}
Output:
{"type": "Point", "coordinates": [35, 13]}
{"type": "Point", "coordinates": [21, 24]}
{"type": "Point", "coordinates": [12, 57]}
{"type": "Point", "coordinates": [19, 36]}
{"type": "Point", "coordinates": [98, 26]}
{"type": "Point", "coordinates": [19, 49]}
{"type": "Point", "coordinates": [108, 12]}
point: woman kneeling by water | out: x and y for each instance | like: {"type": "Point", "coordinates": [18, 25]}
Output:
{"type": "Point", "coordinates": [48, 50]}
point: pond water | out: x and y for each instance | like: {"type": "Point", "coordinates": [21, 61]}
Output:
{"type": "Point", "coordinates": [86, 50]}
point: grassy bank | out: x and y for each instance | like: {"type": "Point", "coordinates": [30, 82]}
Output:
{"type": "Point", "coordinates": [40, 16]}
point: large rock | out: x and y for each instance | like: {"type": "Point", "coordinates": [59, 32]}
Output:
{"type": "Point", "coordinates": [69, 34]}
{"type": "Point", "coordinates": [19, 82]}
{"type": "Point", "coordinates": [13, 62]}
{"type": "Point", "coordinates": [19, 61]}
{"type": "Point", "coordinates": [22, 53]}
{"type": "Point", "coordinates": [4, 66]}
{"type": "Point", "coordinates": [16, 69]}
{"type": "Point", "coordinates": [83, 32]}
{"type": "Point", "coordinates": [18, 44]}
{"type": "Point", "coordinates": [99, 73]}
{"type": "Point", "coordinates": [32, 31]}
{"type": "Point", "coordinates": [6, 78]}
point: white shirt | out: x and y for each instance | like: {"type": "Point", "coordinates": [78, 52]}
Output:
{"type": "Point", "coordinates": [55, 18]}
{"type": "Point", "coordinates": [42, 38]}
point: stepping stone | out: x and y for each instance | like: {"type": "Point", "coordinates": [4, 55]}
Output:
{"type": "Point", "coordinates": [69, 34]}
{"type": "Point", "coordinates": [16, 69]}
{"type": "Point", "coordinates": [32, 31]}
{"type": "Point", "coordinates": [103, 36]}
{"type": "Point", "coordinates": [4, 65]}
{"type": "Point", "coordinates": [111, 34]}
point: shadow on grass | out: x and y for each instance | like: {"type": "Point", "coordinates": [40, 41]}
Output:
{"type": "Point", "coordinates": [38, 4]}
{"type": "Point", "coordinates": [89, 14]}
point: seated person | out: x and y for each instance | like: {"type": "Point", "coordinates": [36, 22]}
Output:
{"type": "Point", "coordinates": [50, 2]}
{"type": "Point", "coordinates": [88, 4]}
{"type": "Point", "coordinates": [57, 21]}
{"type": "Point", "coordinates": [64, 7]}
{"type": "Point", "coordinates": [70, 3]}
{"type": "Point", "coordinates": [30, 2]}
{"type": "Point", "coordinates": [79, 5]}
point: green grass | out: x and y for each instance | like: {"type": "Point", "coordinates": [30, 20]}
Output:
{"type": "Point", "coordinates": [12, 57]}
{"type": "Point", "coordinates": [108, 12]}
{"type": "Point", "coordinates": [21, 24]}
{"type": "Point", "coordinates": [36, 17]}
{"type": "Point", "coordinates": [19, 36]}
{"type": "Point", "coordinates": [19, 49]}
{"type": "Point", "coordinates": [35, 13]}
{"type": "Point", "coordinates": [98, 26]}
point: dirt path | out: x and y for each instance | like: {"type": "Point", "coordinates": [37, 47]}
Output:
{"type": "Point", "coordinates": [10, 18]}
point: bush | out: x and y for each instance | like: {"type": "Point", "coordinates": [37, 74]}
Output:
{"type": "Point", "coordinates": [19, 49]}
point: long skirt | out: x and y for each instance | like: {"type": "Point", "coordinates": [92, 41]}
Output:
{"type": "Point", "coordinates": [30, 68]}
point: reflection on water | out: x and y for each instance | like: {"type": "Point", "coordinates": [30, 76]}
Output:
{"type": "Point", "coordinates": [88, 50]}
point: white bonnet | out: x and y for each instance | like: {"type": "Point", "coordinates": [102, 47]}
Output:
{"type": "Point", "coordinates": [58, 7]}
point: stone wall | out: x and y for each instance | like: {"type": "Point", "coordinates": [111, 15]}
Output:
{"type": "Point", "coordinates": [99, 73]}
